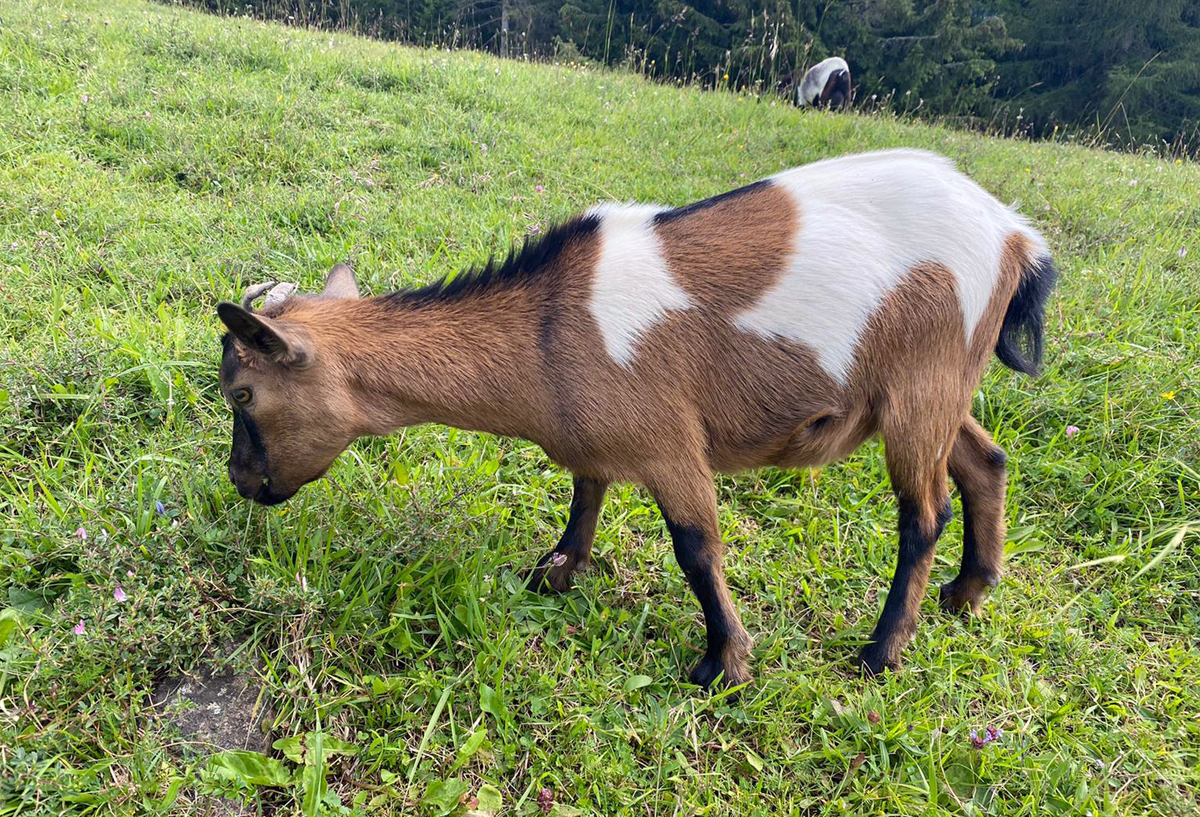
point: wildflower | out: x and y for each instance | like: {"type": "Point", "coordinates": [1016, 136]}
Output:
{"type": "Point", "coordinates": [741, 175]}
{"type": "Point", "coordinates": [1182, 252]}
{"type": "Point", "coordinates": [86, 98]}
{"type": "Point", "coordinates": [1168, 395]}
{"type": "Point", "coordinates": [873, 716]}
{"type": "Point", "coordinates": [545, 800]}
{"type": "Point", "coordinates": [80, 628]}
{"type": "Point", "coordinates": [1027, 170]}
{"type": "Point", "coordinates": [1072, 431]}
{"type": "Point", "coordinates": [159, 508]}
{"type": "Point", "coordinates": [538, 188]}
{"type": "Point", "coordinates": [119, 593]}
{"type": "Point", "coordinates": [1047, 208]}
{"type": "Point", "coordinates": [990, 735]}
{"type": "Point", "coordinates": [129, 573]}
{"type": "Point", "coordinates": [1133, 182]}
{"type": "Point", "coordinates": [81, 532]}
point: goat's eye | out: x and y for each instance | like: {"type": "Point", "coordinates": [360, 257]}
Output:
{"type": "Point", "coordinates": [241, 396]}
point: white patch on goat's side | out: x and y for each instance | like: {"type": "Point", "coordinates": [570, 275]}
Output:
{"type": "Point", "coordinates": [865, 222]}
{"type": "Point", "coordinates": [632, 289]}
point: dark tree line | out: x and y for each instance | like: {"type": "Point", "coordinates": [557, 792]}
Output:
{"type": "Point", "coordinates": [1128, 67]}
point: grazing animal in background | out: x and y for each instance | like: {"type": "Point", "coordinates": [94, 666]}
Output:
{"type": "Point", "coordinates": [826, 84]}
{"type": "Point", "coordinates": [782, 323]}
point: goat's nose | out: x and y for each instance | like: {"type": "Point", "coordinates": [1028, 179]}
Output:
{"type": "Point", "coordinates": [247, 483]}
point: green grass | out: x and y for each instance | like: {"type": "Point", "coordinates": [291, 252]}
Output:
{"type": "Point", "coordinates": [155, 161]}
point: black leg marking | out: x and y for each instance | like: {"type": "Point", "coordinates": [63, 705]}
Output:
{"type": "Point", "coordinates": [977, 467]}
{"type": "Point", "coordinates": [897, 622]}
{"type": "Point", "coordinates": [728, 645]}
{"type": "Point", "coordinates": [574, 548]}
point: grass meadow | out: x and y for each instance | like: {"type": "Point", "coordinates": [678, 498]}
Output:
{"type": "Point", "coordinates": [154, 161]}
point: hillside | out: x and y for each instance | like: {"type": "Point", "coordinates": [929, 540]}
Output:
{"type": "Point", "coordinates": [155, 161]}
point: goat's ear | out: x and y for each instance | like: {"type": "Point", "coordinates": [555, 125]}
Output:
{"type": "Point", "coordinates": [838, 80]}
{"type": "Point", "coordinates": [263, 335]}
{"type": "Point", "coordinates": [340, 283]}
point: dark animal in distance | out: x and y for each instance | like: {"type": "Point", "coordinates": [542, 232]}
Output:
{"type": "Point", "coordinates": [826, 84]}
{"type": "Point", "coordinates": [780, 324]}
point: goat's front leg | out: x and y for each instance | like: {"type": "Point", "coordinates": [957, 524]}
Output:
{"type": "Point", "coordinates": [688, 503]}
{"type": "Point", "coordinates": [574, 549]}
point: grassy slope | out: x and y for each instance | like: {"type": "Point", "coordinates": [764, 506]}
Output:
{"type": "Point", "coordinates": [155, 161]}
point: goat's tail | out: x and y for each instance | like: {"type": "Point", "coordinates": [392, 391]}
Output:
{"type": "Point", "coordinates": [1019, 346]}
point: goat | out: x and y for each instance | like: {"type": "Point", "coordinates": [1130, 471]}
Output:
{"type": "Point", "coordinates": [780, 324]}
{"type": "Point", "coordinates": [826, 84]}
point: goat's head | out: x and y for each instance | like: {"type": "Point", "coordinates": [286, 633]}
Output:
{"type": "Point", "coordinates": [292, 408]}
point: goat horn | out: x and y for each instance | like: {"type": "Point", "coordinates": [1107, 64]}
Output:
{"type": "Point", "coordinates": [252, 293]}
{"type": "Point", "coordinates": [279, 293]}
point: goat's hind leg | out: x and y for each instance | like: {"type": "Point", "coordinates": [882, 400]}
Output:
{"type": "Point", "coordinates": [916, 460]}
{"type": "Point", "coordinates": [977, 467]}
{"type": "Point", "coordinates": [574, 549]}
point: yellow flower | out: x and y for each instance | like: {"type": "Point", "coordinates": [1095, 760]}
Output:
{"type": "Point", "coordinates": [1168, 395]}
{"type": "Point", "coordinates": [1026, 170]}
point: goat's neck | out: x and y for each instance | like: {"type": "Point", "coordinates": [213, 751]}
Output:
{"type": "Point", "coordinates": [470, 363]}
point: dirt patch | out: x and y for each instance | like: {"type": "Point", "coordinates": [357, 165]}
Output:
{"type": "Point", "coordinates": [216, 708]}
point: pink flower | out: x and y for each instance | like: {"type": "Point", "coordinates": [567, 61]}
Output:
{"type": "Point", "coordinates": [129, 573]}
{"type": "Point", "coordinates": [81, 532]}
{"type": "Point", "coordinates": [80, 628]}
{"type": "Point", "coordinates": [86, 97]}
{"type": "Point", "coordinates": [538, 188]}
{"type": "Point", "coordinates": [1072, 431]}
{"type": "Point", "coordinates": [119, 593]}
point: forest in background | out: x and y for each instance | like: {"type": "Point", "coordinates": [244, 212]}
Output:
{"type": "Point", "coordinates": [1127, 71]}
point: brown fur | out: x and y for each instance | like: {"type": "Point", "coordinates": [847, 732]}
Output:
{"type": "Point", "coordinates": [725, 256]}
{"type": "Point", "coordinates": [524, 358]}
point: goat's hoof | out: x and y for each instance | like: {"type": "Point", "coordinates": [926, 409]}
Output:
{"type": "Point", "coordinates": [552, 574]}
{"type": "Point", "coordinates": [962, 597]}
{"type": "Point", "coordinates": [710, 668]}
{"type": "Point", "coordinates": [874, 659]}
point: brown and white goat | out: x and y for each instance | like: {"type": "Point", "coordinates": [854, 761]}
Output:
{"type": "Point", "coordinates": [782, 324]}
{"type": "Point", "coordinates": [826, 84]}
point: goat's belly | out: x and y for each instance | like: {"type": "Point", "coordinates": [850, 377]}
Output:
{"type": "Point", "coordinates": [820, 439]}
